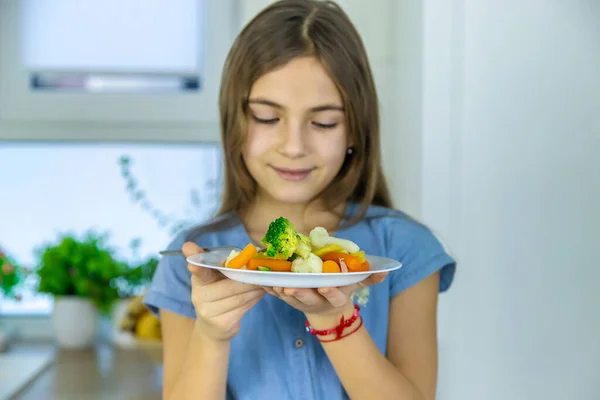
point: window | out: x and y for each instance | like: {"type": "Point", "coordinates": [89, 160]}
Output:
{"type": "Point", "coordinates": [54, 188]}
{"type": "Point", "coordinates": [134, 61]}
{"type": "Point", "coordinates": [119, 46]}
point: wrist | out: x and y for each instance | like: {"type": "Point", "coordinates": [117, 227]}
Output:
{"type": "Point", "coordinates": [330, 328]}
{"type": "Point", "coordinates": [330, 319]}
{"type": "Point", "coordinates": [203, 335]}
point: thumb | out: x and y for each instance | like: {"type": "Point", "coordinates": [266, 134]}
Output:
{"type": "Point", "coordinates": [203, 275]}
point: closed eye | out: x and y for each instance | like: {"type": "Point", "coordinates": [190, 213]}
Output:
{"type": "Point", "coordinates": [265, 121]}
{"type": "Point", "coordinates": [325, 126]}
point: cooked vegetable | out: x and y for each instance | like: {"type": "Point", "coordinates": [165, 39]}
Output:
{"type": "Point", "coordinates": [304, 246]}
{"type": "Point", "coordinates": [242, 257]}
{"type": "Point", "coordinates": [319, 237]}
{"type": "Point", "coordinates": [352, 262]}
{"type": "Point", "coordinates": [312, 264]}
{"type": "Point", "coordinates": [330, 266]}
{"type": "Point", "coordinates": [272, 263]}
{"type": "Point", "coordinates": [360, 255]}
{"type": "Point", "coordinates": [282, 240]}
{"type": "Point", "coordinates": [230, 257]}
{"type": "Point", "coordinates": [287, 250]}
{"type": "Point", "coordinates": [329, 248]}
{"type": "Point", "coordinates": [343, 267]}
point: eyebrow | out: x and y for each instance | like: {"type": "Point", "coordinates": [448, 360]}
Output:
{"type": "Point", "coordinates": [322, 107]}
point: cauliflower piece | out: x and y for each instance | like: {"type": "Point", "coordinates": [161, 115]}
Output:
{"type": "Point", "coordinates": [231, 255]}
{"type": "Point", "coordinates": [304, 246]}
{"type": "Point", "coordinates": [361, 296]}
{"type": "Point", "coordinates": [312, 264]}
{"type": "Point", "coordinates": [319, 237]}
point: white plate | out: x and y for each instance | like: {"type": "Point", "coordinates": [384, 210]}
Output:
{"type": "Point", "coordinates": [215, 260]}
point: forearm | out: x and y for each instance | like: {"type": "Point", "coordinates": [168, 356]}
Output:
{"type": "Point", "coordinates": [203, 375]}
{"type": "Point", "coordinates": [363, 370]}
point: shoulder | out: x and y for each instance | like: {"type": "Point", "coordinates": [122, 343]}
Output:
{"type": "Point", "coordinates": [394, 228]}
{"type": "Point", "coordinates": [412, 243]}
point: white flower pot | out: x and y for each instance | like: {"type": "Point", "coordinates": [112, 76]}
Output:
{"type": "Point", "coordinates": [75, 322]}
{"type": "Point", "coordinates": [120, 338]}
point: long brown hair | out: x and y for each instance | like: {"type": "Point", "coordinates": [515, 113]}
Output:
{"type": "Point", "coordinates": [281, 32]}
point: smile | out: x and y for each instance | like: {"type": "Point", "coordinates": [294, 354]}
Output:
{"type": "Point", "coordinates": [290, 174]}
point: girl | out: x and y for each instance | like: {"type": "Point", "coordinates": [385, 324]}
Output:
{"type": "Point", "coordinates": [300, 133]}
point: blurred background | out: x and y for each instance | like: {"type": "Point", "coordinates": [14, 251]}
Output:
{"type": "Point", "coordinates": [109, 143]}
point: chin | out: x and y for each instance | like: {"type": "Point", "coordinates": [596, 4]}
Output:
{"type": "Point", "coordinates": [293, 196]}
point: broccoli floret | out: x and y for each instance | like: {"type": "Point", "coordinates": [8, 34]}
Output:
{"type": "Point", "coordinates": [282, 240]}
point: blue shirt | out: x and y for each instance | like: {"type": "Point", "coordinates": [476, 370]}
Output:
{"type": "Point", "coordinates": [273, 357]}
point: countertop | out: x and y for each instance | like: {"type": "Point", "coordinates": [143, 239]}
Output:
{"type": "Point", "coordinates": [104, 372]}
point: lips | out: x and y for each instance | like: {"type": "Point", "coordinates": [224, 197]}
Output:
{"type": "Point", "coordinates": [290, 174]}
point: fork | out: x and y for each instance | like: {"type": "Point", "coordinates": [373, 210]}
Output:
{"type": "Point", "coordinates": [206, 250]}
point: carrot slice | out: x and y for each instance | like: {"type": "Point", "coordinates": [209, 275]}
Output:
{"type": "Point", "coordinates": [241, 259]}
{"type": "Point", "coordinates": [365, 266]}
{"type": "Point", "coordinates": [353, 263]}
{"type": "Point", "coordinates": [331, 266]}
{"type": "Point", "coordinates": [274, 264]}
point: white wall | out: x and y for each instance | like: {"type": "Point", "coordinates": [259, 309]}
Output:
{"type": "Point", "coordinates": [522, 320]}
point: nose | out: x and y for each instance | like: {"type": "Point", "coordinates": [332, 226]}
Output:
{"type": "Point", "coordinates": [293, 140]}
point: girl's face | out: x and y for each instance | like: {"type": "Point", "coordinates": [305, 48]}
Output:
{"type": "Point", "coordinates": [296, 141]}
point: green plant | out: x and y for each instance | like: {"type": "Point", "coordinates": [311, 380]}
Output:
{"type": "Point", "coordinates": [80, 267]}
{"type": "Point", "coordinates": [202, 202]}
{"type": "Point", "coordinates": [134, 276]}
{"type": "Point", "coordinates": [10, 276]}
{"type": "Point", "coordinates": [133, 280]}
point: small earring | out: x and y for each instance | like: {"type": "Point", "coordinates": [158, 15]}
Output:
{"type": "Point", "coordinates": [350, 150]}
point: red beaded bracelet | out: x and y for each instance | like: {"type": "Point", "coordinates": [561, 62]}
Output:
{"type": "Point", "coordinates": [338, 330]}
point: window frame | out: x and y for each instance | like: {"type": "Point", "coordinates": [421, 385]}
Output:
{"type": "Point", "coordinates": [185, 111]}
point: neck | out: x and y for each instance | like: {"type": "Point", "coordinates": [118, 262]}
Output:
{"type": "Point", "coordinates": [259, 214]}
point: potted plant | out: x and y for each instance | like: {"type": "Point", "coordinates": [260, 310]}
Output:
{"type": "Point", "coordinates": [10, 278]}
{"type": "Point", "coordinates": [78, 273]}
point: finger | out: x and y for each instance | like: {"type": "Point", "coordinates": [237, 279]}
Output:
{"type": "Point", "coordinates": [349, 289]}
{"type": "Point", "coordinates": [237, 313]}
{"type": "Point", "coordinates": [292, 301]}
{"type": "Point", "coordinates": [375, 279]}
{"type": "Point", "coordinates": [191, 248]}
{"type": "Point", "coordinates": [217, 308]}
{"type": "Point", "coordinates": [270, 291]}
{"type": "Point", "coordinates": [225, 288]}
{"type": "Point", "coordinates": [336, 296]}
{"type": "Point", "coordinates": [204, 275]}
{"type": "Point", "coordinates": [308, 297]}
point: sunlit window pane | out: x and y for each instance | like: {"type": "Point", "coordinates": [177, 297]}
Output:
{"type": "Point", "coordinates": [113, 45]}
{"type": "Point", "coordinates": [129, 191]}
{"type": "Point", "coordinates": [112, 35]}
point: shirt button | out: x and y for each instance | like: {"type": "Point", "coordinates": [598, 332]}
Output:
{"type": "Point", "coordinates": [298, 343]}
